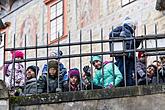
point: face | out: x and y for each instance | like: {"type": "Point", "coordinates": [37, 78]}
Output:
{"type": "Point", "coordinates": [30, 74]}
{"type": "Point", "coordinates": [142, 58]}
{"type": "Point", "coordinates": [157, 64]}
{"type": "Point", "coordinates": [52, 72]}
{"type": "Point", "coordinates": [74, 80]}
{"type": "Point", "coordinates": [150, 71]}
{"type": "Point", "coordinates": [97, 64]}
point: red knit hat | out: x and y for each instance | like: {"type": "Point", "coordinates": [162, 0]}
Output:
{"type": "Point", "coordinates": [18, 54]}
{"type": "Point", "coordinates": [140, 54]}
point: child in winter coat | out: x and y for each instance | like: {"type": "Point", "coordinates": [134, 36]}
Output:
{"type": "Point", "coordinates": [62, 70]}
{"type": "Point", "coordinates": [110, 79]}
{"type": "Point", "coordinates": [14, 74]}
{"type": "Point", "coordinates": [51, 79]}
{"type": "Point", "coordinates": [141, 67]}
{"type": "Point", "coordinates": [31, 80]}
{"type": "Point", "coordinates": [126, 31]}
{"type": "Point", "coordinates": [74, 80]}
{"type": "Point", "coordinates": [87, 79]}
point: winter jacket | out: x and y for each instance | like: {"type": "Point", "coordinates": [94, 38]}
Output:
{"type": "Point", "coordinates": [141, 71]}
{"type": "Point", "coordinates": [52, 84]}
{"type": "Point", "coordinates": [126, 32]}
{"type": "Point", "coordinates": [63, 71]}
{"type": "Point", "coordinates": [15, 75]}
{"type": "Point", "coordinates": [108, 75]}
{"type": "Point", "coordinates": [161, 73]}
{"type": "Point", "coordinates": [31, 86]}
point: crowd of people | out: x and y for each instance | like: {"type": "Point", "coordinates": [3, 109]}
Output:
{"type": "Point", "coordinates": [55, 77]}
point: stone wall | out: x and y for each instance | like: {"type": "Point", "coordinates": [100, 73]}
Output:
{"type": "Point", "coordinates": [4, 101]}
{"type": "Point", "coordinates": [131, 98]}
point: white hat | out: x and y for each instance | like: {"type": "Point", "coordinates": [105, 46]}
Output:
{"type": "Point", "coordinates": [129, 22]}
{"type": "Point", "coordinates": [56, 53]}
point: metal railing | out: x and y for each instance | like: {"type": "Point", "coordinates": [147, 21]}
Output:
{"type": "Point", "coordinates": [122, 53]}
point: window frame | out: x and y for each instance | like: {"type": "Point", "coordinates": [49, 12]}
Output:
{"type": "Point", "coordinates": [49, 4]}
{"type": "Point", "coordinates": [129, 2]}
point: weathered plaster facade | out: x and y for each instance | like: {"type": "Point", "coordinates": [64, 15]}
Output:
{"type": "Point", "coordinates": [81, 15]}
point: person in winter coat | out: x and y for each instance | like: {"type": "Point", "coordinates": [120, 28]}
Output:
{"type": "Point", "coordinates": [62, 70]}
{"type": "Point", "coordinates": [151, 75]}
{"type": "Point", "coordinates": [141, 68]}
{"type": "Point", "coordinates": [51, 79]}
{"type": "Point", "coordinates": [74, 80]}
{"type": "Point", "coordinates": [87, 79]}
{"type": "Point", "coordinates": [31, 86]}
{"type": "Point", "coordinates": [126, 30]}
{"type": "Point", "coordinates": [107, 71]}
{"type": "Point", "coordinates": [14, 72]}
{"type": "Point", "coordinates": [161, 69]}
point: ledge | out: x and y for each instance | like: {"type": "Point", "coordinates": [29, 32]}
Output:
{"type": "Point", "coordinates": [3, 91]}
{"type": "Point", "coordinates": [87, 95]}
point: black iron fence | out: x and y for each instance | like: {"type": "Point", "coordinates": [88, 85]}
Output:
{"type": "Point", "coordinates": [123, 61]}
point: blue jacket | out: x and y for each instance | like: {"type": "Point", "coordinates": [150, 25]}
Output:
{"type": "Point", "coordinates": [63, 71]}
{"type": "Point", "coordinates": [126, 32]}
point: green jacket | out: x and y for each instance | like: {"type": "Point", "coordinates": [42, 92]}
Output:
{"type": "Point", "coordinates": [108, 75]}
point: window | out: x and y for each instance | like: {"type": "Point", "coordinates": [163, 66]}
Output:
{"type": "Point", "coordinates": [126, 2]}
{"type": "Point", "coordinates": [56, 19]}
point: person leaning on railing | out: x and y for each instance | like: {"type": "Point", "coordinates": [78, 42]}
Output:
{"type": "Point", "coordinates": [31, 85]}
{"type": "Point", "coordinates": [56, 54]}
{"type": "Point", "coordinates": [74, 80]}
{"type": "Point", "coordinates": [51, 79]}
{"type": "Point", "coordinates": [87, 79]}
{"type": "Point", "coordinates": [126, 30]}
{"type": "Point", "coordinates": [107, 71]}
{"type": "Point", "coordinates": [14, 72]}
{"type": "Point", "coordinates": [141, 68]}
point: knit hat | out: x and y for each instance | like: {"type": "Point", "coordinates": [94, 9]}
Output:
{"type": "Point", "coordinates": [53, 64]}
{"type": "Point", "coordinates": [129, 22]}
{"type": "Point", "coordinates": [74, 72]}
{"type": "Point", "coordinates": [140, 55]}
{"type": "Point", "coordinates": [35, 69]}
{"type": "Point", "coordinates": [95, 58]}
{"type": "Point", "coordinates": [17, 54]}
{"type": "Point", "coordinates": [56, 54]}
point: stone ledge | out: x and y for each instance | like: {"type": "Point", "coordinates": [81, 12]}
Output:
{"type": "Point", "coordinates": [87, 95]}
{"type": "Point", "coordinates": [3, 90]}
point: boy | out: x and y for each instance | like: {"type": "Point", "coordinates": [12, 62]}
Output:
{"type": "Point", "coordinates": [51, 78]}
{"type": "Point", "coordinates": [31, 80]}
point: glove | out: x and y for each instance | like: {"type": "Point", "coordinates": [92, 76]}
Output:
{"type": "Point", "coordinates": [58, 90]}
{"type": "Point", "coordinates": [110, 86]}
{"type": "Point", "coordinates": [87, 70]}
